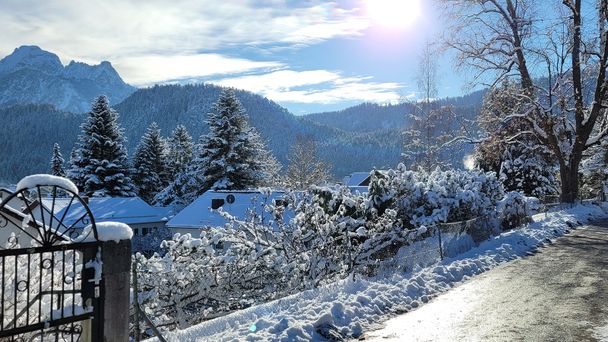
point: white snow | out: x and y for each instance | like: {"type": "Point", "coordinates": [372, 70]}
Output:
{"type": "Point", "coordinates": [351, 307]}
{"type": "Point", "coordinates": [601, 333]}
{"type": "Point", "coordinates": [469, 162]}
{"type": "Point", "coordinates": [128, 210]}
{"type": "Point", "coordinates": [199, 214]}
{"type": "Point", "coordinates": [106, 231]}
{"type": "Point", "coordinates": [50, 180]}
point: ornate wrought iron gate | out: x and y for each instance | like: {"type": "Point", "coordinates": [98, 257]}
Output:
{"type": "Point", "coordinates": [50, 272]}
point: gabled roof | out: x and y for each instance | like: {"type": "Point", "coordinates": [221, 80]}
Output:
{"type": "Point", "coordinates": [357, 179]}
{"type": "Point", "coordinates": [129, 210]}
{"type": "Point", "coordinates": [199, 214]}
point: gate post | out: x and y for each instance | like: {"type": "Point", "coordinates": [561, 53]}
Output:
{"type": "Point", "coordinates": [115, 290]}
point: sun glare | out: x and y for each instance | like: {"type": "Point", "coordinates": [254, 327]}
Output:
{"type": "Point", "coordinates": [393, 13]}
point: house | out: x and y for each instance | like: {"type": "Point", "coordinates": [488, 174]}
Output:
{"type": "Point", "coordinates": [201, 212]}
{"type": "Point", "coordinates": [133, 211]}
{"type": "Point", "coordinates": [358, 181]}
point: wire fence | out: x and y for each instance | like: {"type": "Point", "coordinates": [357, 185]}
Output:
{"type": "Point", "coordinates": [217, 290]}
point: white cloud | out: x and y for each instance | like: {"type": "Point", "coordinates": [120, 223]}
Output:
{"type": "Point", "coordinates": [321, 86]}
{"type": "Point", "coordinates": [281, 80]}
{"type": "Point", "coordinates": [93, 31]}
{"type": "Point", "coordinates": [155, 40]}
{"type": "Point", "coordinates": [147, 70]}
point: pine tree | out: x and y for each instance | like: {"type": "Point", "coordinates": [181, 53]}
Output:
{"type": "Point", "coordinates": [232, 156]}
{"type": "Point", "coordinates": [57, 162]}
{"type": "Point", "coordinates": [74, 173]}
{"type": "Point", "coordinates": [180, 148]}
{"type": "Point", "coordinates": [228, 155]}
{"type": "Point", "coordinates": [149, 164]}
{"type": "Point", "coordinates": [101, 158]}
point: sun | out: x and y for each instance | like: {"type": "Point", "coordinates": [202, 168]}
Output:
{"type": "Point", "coordinates": [393, 13]}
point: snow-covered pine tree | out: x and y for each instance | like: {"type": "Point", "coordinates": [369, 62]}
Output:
{"type": "Point", "coordinates": [180, 148]}
{"type": "Point", "coordinates": [101, 155]}
{"type": "Point", "coordinates": [232, 156]}
{"type": "Point", "coordinates": [149, 164]}
{"type": "Point", "coordinates": [229, 155]}
{"type": "Point", "coordinates": [57, 162]}
{"type": "Point", "coordinates": [74, 172]}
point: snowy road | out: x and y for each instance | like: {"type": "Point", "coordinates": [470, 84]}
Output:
{"type": "Point", "coordinates": [558, 294]}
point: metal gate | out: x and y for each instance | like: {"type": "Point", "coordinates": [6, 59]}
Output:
{"type": "Point", "coordinates": [50, 270]}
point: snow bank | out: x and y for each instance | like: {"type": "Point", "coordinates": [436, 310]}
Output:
{"type": "Point", "coordinates": [42, 179]}
{"type": "Point", "coordinates": [106, 231]}
{"type": "Point", "coordinates": [349, 308]}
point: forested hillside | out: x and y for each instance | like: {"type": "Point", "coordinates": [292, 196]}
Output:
{"type": "Point", "coordinates": [368, 117]}
{"type": "Point", "coordinates": [34, 128]}
{"type": "Point", "coordinates": [173, 104]}
{"type": "Point", "coordinates": [28, 133]}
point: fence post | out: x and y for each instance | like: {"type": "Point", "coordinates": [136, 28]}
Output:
{"type": "Point", "coordinates": [137, 332]}
{"type": "Point", "coordinates": [440, 245]}
{"type": "Point", "coordinates": [116, 272]}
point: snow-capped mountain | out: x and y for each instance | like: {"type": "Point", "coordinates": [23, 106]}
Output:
{"type": "Point", "coordinates": [33, 75]}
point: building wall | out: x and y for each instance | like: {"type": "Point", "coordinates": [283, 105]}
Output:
{"type": "Point", "coordinates": [195, 232]}
{"type": "Point", "coordinates": [146, 228]}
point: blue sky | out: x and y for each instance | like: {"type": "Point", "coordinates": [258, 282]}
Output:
{"type": "Point", "coordinates": [309, 56]}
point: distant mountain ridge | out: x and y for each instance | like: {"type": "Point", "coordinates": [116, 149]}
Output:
{"type": "Point", "coordinates": [370, 117]}
{"type": "Point", "coordinates": [31, 75]}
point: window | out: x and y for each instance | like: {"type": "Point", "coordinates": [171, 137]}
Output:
{"type": "Point", "coordinates": [280, 203]}
{"type": "Point", "coordinates": [144, 231]}
{"type": "Point", "coordinates": [216, 203]}
{"type": "Point", "coordinates": [135, 231]}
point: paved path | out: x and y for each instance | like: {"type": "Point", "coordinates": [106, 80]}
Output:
{"type": "Point", "coordinates": [558, 294]}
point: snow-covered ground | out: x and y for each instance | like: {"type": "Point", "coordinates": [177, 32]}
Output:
{"type": "Point", "coordinates": [349, 308]}
{"type": "Point", "coordinates": [601, 333]}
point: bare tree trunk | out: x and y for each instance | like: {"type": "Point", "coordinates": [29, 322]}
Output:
{"type": "Point", "coordinates": [569, 186]}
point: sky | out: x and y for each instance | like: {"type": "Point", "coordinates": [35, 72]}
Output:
{"type": "Point", "coordinates": [309, 56]}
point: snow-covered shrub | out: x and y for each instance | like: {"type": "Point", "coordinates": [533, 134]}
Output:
{"type": "Point", "coordinates": [312, 238]}
{"type": "Point", "coordinates": [594, 173]}
{"type": "Point", "coordinates": [150, 243]}
{"type": "Point", "coordinates": [440, 196]}
{"type": "Point", "coordinates": [516, 209]}
{"type": "Point", "coordinates": [527, 172]}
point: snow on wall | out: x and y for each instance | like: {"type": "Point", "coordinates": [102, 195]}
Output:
{"type": "Point", "coordinates": [43, 179]}
{"type": "Point", "coordinates": [106, 231]}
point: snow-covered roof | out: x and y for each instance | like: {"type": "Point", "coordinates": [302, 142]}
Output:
{"type": "Point", "coordinates": [356, 179]}
{"type": "Point", "coordinates": [129, 210]}
{"type": "Point", "coordinates": [199, 214]}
